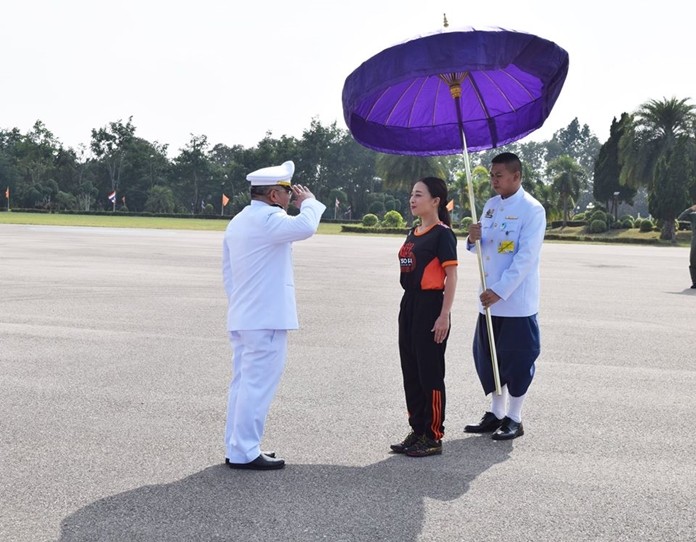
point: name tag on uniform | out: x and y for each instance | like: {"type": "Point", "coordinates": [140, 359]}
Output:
{"type": "Point", "coordinates": [510, 218]}
{"type": "Point", "coordinates": [506, 247]}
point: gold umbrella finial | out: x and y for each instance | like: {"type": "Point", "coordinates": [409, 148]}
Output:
{"type": "Point", "coordinates": [454, 81]}
{"type": "Point", "coordinates": [444, 22]}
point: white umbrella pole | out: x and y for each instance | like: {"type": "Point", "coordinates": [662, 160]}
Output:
{"type": "Point", "coordinates": [479, 254]}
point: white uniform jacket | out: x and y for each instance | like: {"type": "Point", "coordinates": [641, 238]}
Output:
{"type": "Point", "coordinates": [512, 232]}
{"type": "Point", "coordinates": [257, 264]}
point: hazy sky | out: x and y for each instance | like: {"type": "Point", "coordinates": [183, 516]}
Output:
{"type": "Point", "coordinates": [235, 69]}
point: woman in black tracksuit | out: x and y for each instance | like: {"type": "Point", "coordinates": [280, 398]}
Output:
{"type": "Point", "coordinates": [428, 261]}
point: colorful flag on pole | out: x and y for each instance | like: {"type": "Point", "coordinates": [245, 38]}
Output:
{"type": "Point", "coordinates": [7, 193]}
{"type": "Point", "coordinates": [225, 200]}
{"type": "Point", "coordinates": [123, 199]}
{"type": "Point", "coordinates": [450, 205]}
{"type": "Point", "coordinates": [337, 203]}
{"type": "Point", "coordinates": [112, 197]}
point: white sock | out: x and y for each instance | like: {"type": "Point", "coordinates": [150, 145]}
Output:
{"type": "Point", "coordinates": [499, 403]}
{"type": "Point", "coordinates": [515, 408]}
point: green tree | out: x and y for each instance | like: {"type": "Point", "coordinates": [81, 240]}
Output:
{"type": "Point", "coordinates": [316, 161]}
{"type": "Point", "coordinates": [567, 179]}
{"type": "Point", "coordinates": [607, 169]}
{"type": "Point", "coordinates": [228, 167]}
{"type": "Point", "coordinates": [399, 172]}
{"type": "Point", "coordinates": [669, 195]}
{"type": "Point", "coordinates": [549, 199]}
{"type": "Point", "coordinates": [657, 150]}
{"type": "Point", "coordinates": [355, 173]}
{"type": "Point", "coordinates": [110, 145]}
{"type": "Point", "coordinates": [575, 141]}
{"type": "Point", "coordinates": [192, 172]}
{"type": "Point", "coordinates": [160, 199]}
{"type": "Point", "coordinates": [145, 166]}
{"type": "Point", "coordinates": [480, 179]}
{"type": "Point", "coordinates": [36, 158]}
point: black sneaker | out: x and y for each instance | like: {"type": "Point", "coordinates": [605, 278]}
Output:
{"type": "Point", "coordinates": [425, 446]}
{"type": "Point", "coordinates": [409, 441]}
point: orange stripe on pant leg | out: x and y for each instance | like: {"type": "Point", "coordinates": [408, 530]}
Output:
{"type": "Point", "coordinates": [437, 414]}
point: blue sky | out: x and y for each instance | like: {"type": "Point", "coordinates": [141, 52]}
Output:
{"type": "Point", "coordinates": [234, 72]}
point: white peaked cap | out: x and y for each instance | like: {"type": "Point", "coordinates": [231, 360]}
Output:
{"type": "Point", "coordinates": [268, 176]}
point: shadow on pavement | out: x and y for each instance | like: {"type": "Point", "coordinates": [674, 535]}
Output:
{"type": "Point", "coordinates": [382, 501]}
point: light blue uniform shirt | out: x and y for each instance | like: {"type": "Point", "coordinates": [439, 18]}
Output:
{"type": "Point", "coordinates": [512, 232]}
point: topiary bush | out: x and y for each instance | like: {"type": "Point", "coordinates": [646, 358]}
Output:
{"type": "Point", "coordinates": [626, 223]}
{"type": "Point", "coordinates": [599, 215]}
{"type": "Point", "coordinates": [646, 225]}
{"type": "Point", "coordinates": [466, 222]}
{"type": "Point", "coordinates": [598, 226]}
{"type": "Point", "coordinates": [370, 220]}
{"type": "Point", "coordinates": [393, 219]}
{"type": "Point", "coordinates": [376, 208]}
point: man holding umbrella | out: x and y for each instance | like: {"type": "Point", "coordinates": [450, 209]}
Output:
{"type": "Point", "coordinates": [511, 232]}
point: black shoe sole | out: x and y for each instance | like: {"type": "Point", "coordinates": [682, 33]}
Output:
{"type": "Point", "coordinates": [424, 454]}
{"type": "Point", "coordinates": [510, 436]}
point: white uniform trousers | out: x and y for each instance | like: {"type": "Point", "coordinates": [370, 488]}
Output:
{"type": "Point", "coordinates": [257, 365]}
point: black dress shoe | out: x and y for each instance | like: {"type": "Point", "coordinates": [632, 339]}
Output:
{"type": "Point", "coordinates": [262, 462]}
{"type": "Point", "coordinates": [508, 430]}
{"type": "Point", "coordinates": [264, 452]}
{"type": "Point", "coordinates": [488, 423]}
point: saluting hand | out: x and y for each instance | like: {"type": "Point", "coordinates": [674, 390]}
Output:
{"type": "Point", "coordinates": [300, 194]}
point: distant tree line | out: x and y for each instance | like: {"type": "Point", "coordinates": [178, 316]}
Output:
{"type": "Point", "coordinates": [651, 151]}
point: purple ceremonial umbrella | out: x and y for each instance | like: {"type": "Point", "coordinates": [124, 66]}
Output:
{"type": "Point", "coordinates": [455, 91]}
{"type": "Point", "coordinates": [416, 98]}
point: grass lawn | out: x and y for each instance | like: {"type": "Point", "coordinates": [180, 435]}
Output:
{"type": "Point", "coordinates": [569, 234]}
{"type": "Point", "coordinates": [101, 221]}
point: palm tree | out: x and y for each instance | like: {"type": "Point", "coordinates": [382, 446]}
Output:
{"type": "Point", "coordinates": [657, 151]}
{"type": "Point", "coordinates": [567, 179]}
{"type": "Point", "coordinates": [548, 198]}
{"type": "Point", "coordinates": [399, 172]}
{"type": "Point", "coordinates": [480, 179]}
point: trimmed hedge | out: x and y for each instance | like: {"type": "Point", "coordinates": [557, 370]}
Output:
{"type": "Point", "coordinates": [593, 239]}
{"type": "Point", "coordinates": [570, 223]}
{"type": "Point", "coordinates": [370, 229]}
{"type": "Point", "coordinates": [349, 228]}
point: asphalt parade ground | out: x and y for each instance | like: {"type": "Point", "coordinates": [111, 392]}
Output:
{"type": "Point", "coordinates": [114, 367]}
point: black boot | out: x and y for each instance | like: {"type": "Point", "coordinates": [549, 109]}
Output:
{"type": "Point", "coordinates": [692, 270]}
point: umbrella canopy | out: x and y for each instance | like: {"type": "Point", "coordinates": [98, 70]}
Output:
{"type": "Point", "coordinates": [400, 101]}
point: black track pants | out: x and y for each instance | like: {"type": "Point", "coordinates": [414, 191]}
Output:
{"type": "Point", "coordinates": [423, 362]}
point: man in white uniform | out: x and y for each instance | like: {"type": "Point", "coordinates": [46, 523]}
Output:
{"type": "Point", "coordinates": [258, 278]}
{"type": "Point", "coordinates": [511, 232]}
